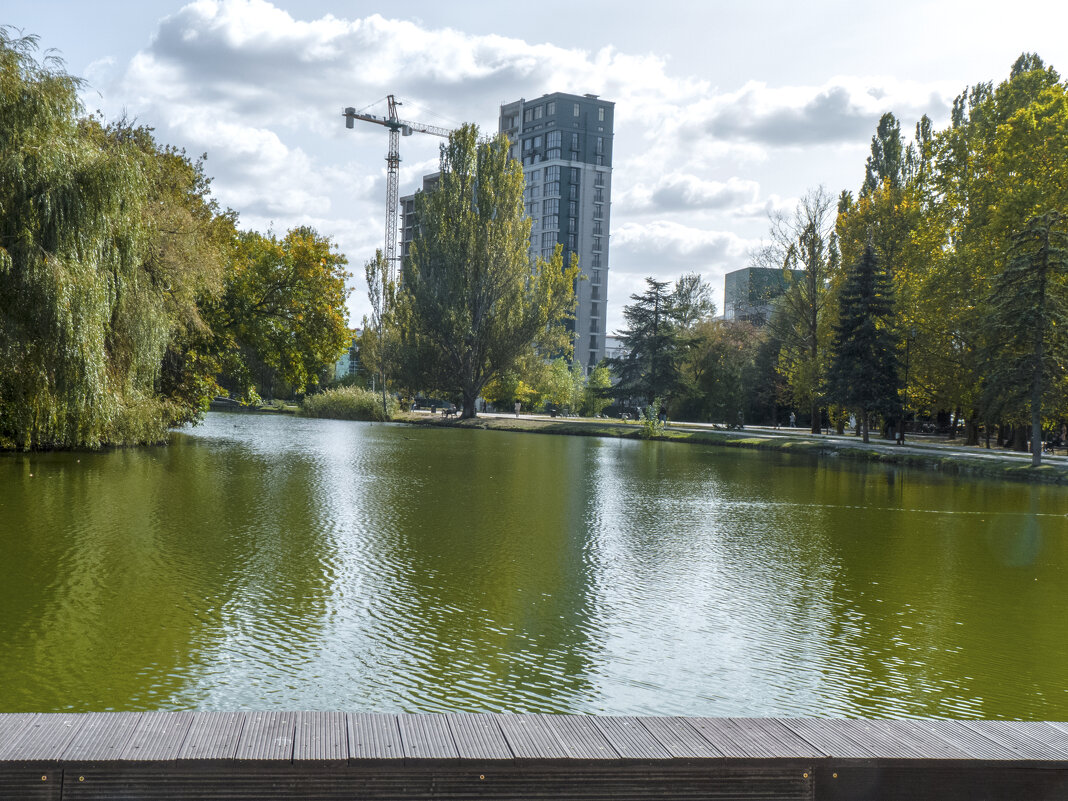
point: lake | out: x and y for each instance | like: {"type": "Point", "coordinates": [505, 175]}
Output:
{"type": "Point", "coordinates": [271, 562]}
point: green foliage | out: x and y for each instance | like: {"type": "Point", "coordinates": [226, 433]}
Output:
{"type": "Point", "coordinates": [349, 403]}
{"type": "Point", "coordinates": [97, 306]}
{"type": "Point", "coordinates": [1026, 357]}
{"type": "Point", "coordinates": [864, 370]}
{"type": "Point", "coordinates": [471, 304]}
{"type": "Point", "coordinates": [805, 247]}
{"type": "Point", "coordinates": [595, 393]}
{"type": "Point", "coordinates": [653, 350]}
{"type": "Point", "coordinates": [649, 420]}
{"type": "Point", "coordinates": [281, 319]}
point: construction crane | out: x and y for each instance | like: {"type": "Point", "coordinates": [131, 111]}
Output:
{"type": "Point", "coordinates": [397, 128]}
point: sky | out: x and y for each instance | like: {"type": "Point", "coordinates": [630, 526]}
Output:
{"type": "Point", "coordinates": [726, 112]}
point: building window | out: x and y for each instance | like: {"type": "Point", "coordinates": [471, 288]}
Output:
{"type": "Point", "coordinates": [598, 195]}
{"type": "Point", "coordinates": [597, 243]}
{"type": "Point", "coordinates": [597, 227]}
{"type": "Point", "coordinates": [595, 292]}
{"type": "Point", "coordinates": [552, 153]}
{"type": "Point", "coordinates": [551, 221]}
{"type": "Point", "coordinates": [572, 208]}
{"type": "Point", "coordinates": [600, 144]}
{"type": "Point", "coordinates": [537, 142]}
{"type": "Point", "coordinates": [593, 346]}
{"type": "Point", "coordinates": [550, 107]}
{"type": "Point", "coordinates": [552, 173]}
{"type": "Point", "coordinates": [572, 224]}
{"type": "Point", "coordinates": [552, 139]}
{"type": "Point", "coordinates": [594, 310]}
{"type": "Point", "coordinates": [528, 115]}
{"type": "Point", "coordinates": [533, 175]}
{"type": "Point", "coordinates": [596, 277]}
{"type": "Point", "coordinates": [600, 161]}
{"type": "Point", "coordinates": [600, 114]}
{"type": "Point", "coordinates": [572, 241]}
{"type": "Point", "coordinates": [551, 206]}
{"type": "Point", "coordinates": [597, 263]}
{"type": "Point", "coordinates": [574, 141]}
{"type": "Point", "coordinates": [599, 179]}
{"type": "Point", "coordinates": [574, 175]}
{"type": "Point", "coordinates": [539, 111]}
{"type": "Point", "coordinates": [548, 239]}
{"type": "Point", "coordinates": [598, 211]}
{"type": "Point", "coordinates": [576, 112]}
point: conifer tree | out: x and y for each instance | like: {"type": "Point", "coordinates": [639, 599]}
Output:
{"type": "Point", "coordinates": [650, 368]}
{"type": "Point", "coordinates": [1027, 353]}
{"type": "Point", "coordinates": [864, 366]}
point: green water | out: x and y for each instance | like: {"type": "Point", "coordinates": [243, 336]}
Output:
{"type": "Point", "coordinates": [264, 562]}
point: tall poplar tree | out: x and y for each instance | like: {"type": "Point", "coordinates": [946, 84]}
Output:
{"type": "Point", "coordinates": [472, 302]}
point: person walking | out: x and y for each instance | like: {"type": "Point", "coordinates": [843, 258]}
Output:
{"type": "Point", "coordinates": [517, 405]}
{"type": "Point", "coordinates": [793, 420]}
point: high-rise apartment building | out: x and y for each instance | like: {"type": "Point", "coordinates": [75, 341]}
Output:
{"type": "Point", "coordinates": [565, 144]}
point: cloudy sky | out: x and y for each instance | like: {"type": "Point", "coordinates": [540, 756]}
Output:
{"type": "Point", "coordinates": [724, 111]}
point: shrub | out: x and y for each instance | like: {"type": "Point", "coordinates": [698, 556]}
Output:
{"type": "Point", "coordinates": [649, 418]}
{"type": "Point", "coordinates": [348, 403]}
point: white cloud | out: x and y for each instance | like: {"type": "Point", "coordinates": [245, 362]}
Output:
{"type": "Point", "coordinates": [262, 93]}
{"type": "Point", "coordinates": [679, 191]}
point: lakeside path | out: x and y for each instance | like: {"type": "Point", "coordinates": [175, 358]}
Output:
{"type": "Point", "coordinates": [921, 452]}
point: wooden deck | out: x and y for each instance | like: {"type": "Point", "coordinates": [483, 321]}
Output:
{"type": "Point", "coordinates": [336, 755]}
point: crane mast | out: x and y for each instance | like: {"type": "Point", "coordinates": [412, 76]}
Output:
{"type": "Point", "coordinates": [397, 128]}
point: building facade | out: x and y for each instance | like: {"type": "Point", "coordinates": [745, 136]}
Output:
{"type": "Point", "coordinates": [564, 142]}
{"type": "Point", "coordinates": [748, 294]}
{"type": "Point", "coordinates": [407, 213]}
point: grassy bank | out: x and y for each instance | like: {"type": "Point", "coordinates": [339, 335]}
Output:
{"type": "Point", "coordinates": [1003, 466]}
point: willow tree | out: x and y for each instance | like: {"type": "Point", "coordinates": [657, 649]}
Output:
{"type": "Point", "coordinates": [82, 328]}
{"type": "Point", "coordinates": [472, 301]}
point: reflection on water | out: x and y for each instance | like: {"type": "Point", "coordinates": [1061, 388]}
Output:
{"type": "Point", "coordinates": [267, 561]}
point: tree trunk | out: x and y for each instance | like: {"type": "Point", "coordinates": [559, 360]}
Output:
{"type": "Point", "coordinates": [839, 427]}
{"type": "Point", "coordinates": [864, 425]}
{"type": "Point", "coordinates": [469, 410]}
{"type": "Point", "coordinates": [1019, 438]}
{"type": "Point", "coordinates": [1001, 435]}
{"type": "Point", "coordinates": [971, 429]}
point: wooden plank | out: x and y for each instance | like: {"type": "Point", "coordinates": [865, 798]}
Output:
{"type": "Point", "coordinates": [375, 737]}
{"type": "Point", "coordinates": [44, 739]}
{"type": "Point", "coordinates": [630, 739]}
{"type": "Point", "coordinates": [963, 738]}
{"type": "Point", "coordinates": [529, 738]}
{"type": "Point", "coordinates": [321, 737]}
{"type": "Point", "coordinates": [12, 724]}
{"type": "Point", "coordinates": [268, 736]}
{"type": "Point", "coordinates": [754, 738]}
{"type": "Point", "coordinates": [478, 736]}
{"type": "Point", "coordinates": [102, 737]}
{"type": "Point", "coordinates": [680, 739]}
{"type": "Point", "coordinates": [213, 735]}
{"type": "Point", "coordinates": [427, 737]}
{"type": "Point", "coordinates": [1016, 738]}
{"type": "Point", "coordinates": [158, 737]}
{"type": "Point", "coordinates": [580, 737]}
{"type": "Point", "coordinates": [919, 737]}
{"type": "Point", "coordinates": [828, 739]}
